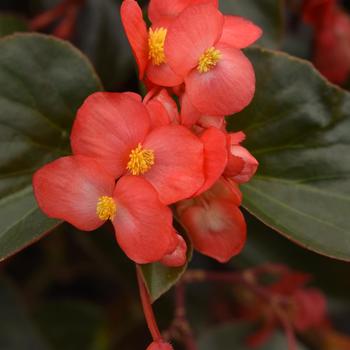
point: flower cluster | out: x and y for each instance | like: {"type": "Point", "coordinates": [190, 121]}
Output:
{"type": "Point", "coordinates": [133, 158]}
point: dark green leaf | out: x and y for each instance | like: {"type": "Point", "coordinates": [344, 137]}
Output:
{"type": "Point", "coordinates": [233, 336]}
{"type": "Point", "coordinates": [265, 245]}
{"type": "Point", "coordinates": [268, 14]}
{"type": "Point", "coordinates": [43, 82]}
{"type": "Point", "coordinates": [17, 332]}
{"type": "Point", "coordinates": [159, 278]}
{"type": "Point", "coordinates": [101, 37]}
{"type": "Point", "coordinates": [298, 128]}
{"type": "Point", "coordinates": [72, 325]}
{"type": "Point", "coordinates": [10, 24]}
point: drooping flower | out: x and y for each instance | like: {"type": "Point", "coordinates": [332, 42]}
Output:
{"type": "Point", "coordinates": [203, 47]}
{"type": "Point", "coordinates": [77, 189]}
{"type": "Point", "coordinates": [115, 129]}
{"type": "Point", "coordinates": [214, 222]}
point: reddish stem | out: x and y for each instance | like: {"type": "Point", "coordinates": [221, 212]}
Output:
{"type": "Point", "coordinates": [48, 17]}
{"type": "Point", "coordinates": [147, 307]}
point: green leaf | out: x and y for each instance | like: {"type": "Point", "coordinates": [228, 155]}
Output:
{"type": "Point", "coordinates": [159, 278]}
{"type": "Point", "coordinates": [267, 14]}
{"type": "Point", "coordinates": [298, 128]}
{"type": "Point", "coordinates": [43, 82]}
{"type": "Point", "coordinates": [10, 24]}
{"type": "Point", "coordinates": [101, 37]}
{"type": "Point", "coordinates": [233, 336]}
{"type": "Point", "coordinates": [265, 245]}
{"type": "Point", "coordinates": [17, 331]}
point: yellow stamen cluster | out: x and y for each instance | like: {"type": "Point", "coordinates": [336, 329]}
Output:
{"type": "Point", "coordinates": [106, 208]}
{"type": "Point", "coordinates": [156, 39]}
{"type": "Point", "coordinates": [141, 160]}
{"type": "Point", "coordinates": [208, 60]}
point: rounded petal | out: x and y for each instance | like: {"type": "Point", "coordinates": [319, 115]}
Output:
{"type": "Point", "coordinates": [69, 189]}
{"type": "Point", "coordinates": [169, 104]}
{"type": "Point", "coordinates": [162, 75]}
{"type": "Point", "coordinates": [161, 108]}
{"type": "Point", "coordinates": [189, 115]}
{"type": "Point", "coordinates": [108, 126]}
{"type": "Point", "coordinates": [215, 156]}
{"type": "Point", "coordinates": [225, 189]}
{"type": "Point", "coordinates": [158, 10]}
{"type": "Point", "coordinates": [158, 114]}
{"type": "Point", "coordinates": [178, 257]}
{"type": "Point", "coordinates": [239, 32]}
{"type": "Point", "coordinates": [143, 224]}
{"type": "Point", "coordinates": [241, 162]}
{"type": "Point", "coordinates": [227, 88]}
{"type": "Point", "coordinates": [136, 32]}
{"type": "Point", "coordinates": [178, 170]}
{"type": "Point", "coordinates": [190, 35]}
{"type": "Point", "coordinates": [217, 230]}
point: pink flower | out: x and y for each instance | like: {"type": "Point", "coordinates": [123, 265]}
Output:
{"type": "Point", "coordinates": [203, 47]}
{"type": "Point", "coordinates": [116, 130]}
{"type": "Point", "coordinates": [78, 190]}
{"type": "Point", "coordinates": [214, 222]}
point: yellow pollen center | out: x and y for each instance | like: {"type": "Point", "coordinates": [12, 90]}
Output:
{"type": "Point", "coordinates": [156, 39]}
{"type": "Point", "coordinates": [141, 160]}
{"type": "Point", "coordinates": [106, 208]}
{"type": "Point", "coordinates": [208, 60]}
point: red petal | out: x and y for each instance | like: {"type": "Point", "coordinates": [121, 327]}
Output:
{"type": "Point", "coordinates": [69, 189]}
{"type": "Point", "coordinates": [169, 104]}
{"type": "Point", "coordinates": [239, 32]}
{"type": "Point", "coordinates": [143, 224]}
{"type": "Point", "coordinates": [178, 257]}
{"type": "Point", "coordinates": [215, 156]}
{"type": "Point", "coordinates": [108, 126]}
{"type": "Point", "coordinates": [160, 10]}
{"type": "Point", "coordinates": [178, 169]}
{"type": "Point", "coordinates": [190, 35]}
{"type": "Point", "coordinates": [189, 115]}
{"type": "Point", "coordinates": [162, 75]}
{"type": "Point", "coordinates": [136, 31]}
{"type": "Point", "coordinates": [217, 230]}
{"type": "Point", "coordinates": [241, 162]}
{"type": "Point", "coordinates": [159, 345]}
{"type": "Point", "coordinates": [227, 88]}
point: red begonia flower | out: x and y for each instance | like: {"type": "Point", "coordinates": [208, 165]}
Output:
{"type": "Point", "coordinates": [115, 129]}
{"type": "Point", "coordinates": [168, 10]}
{"type": "Point", "coordinates": [178, 257]}
{"type": "Point", "coordinates": [147, 46]}
{"type": "Point", "coordinates": [214, 222]}
{"type": "Point", "coordinates": [219, 78]}
{"type": "Point", "coordinates": [78, 190]}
